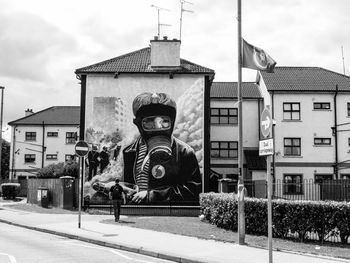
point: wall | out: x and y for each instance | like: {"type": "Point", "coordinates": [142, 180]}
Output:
{"type": "Point", "coordinates": [313, 123]}
{"type": "Point", "coordinates": [54, 145]}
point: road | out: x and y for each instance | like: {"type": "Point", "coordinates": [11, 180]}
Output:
{"type": "Point", "coordinates": [20, 245]}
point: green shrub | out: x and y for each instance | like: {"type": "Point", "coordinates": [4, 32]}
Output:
{"type": "Point", "coordinates": [59, 169]}
{"type": "Point", "coordinates": [10, 190]}
{"type": "Point", "coordinates": [289, 217]}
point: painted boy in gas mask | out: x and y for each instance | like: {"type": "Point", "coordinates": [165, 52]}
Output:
{"type": "Point", "coordinates": [163, 167]}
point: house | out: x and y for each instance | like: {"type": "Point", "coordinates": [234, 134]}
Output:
{"type": "Point", "coordinates": [155, 69]}
{"type": "Point", "coordinates": [224, 132]}
{"type": "Point", "coordinates": [311, 107]}
{"type": "Point", "coordinates": [42, 138]}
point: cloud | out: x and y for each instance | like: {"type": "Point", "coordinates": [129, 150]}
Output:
{"type": "Point", "coordinates": [29, 44]}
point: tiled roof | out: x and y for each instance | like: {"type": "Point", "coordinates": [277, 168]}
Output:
{"type": "Point", "coordinates": [305, 79]}
{"type": "Point", "coordinates": [138, 62]}
{"type": "Point", "coordinates": [57, 115]}
{"type": "Point", "coordinates": [222, 90]}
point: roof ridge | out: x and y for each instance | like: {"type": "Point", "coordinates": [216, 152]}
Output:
{"type": "Point", "coordinates": [112, 59]}
{"type": "Point", "coordinates": [312, 67]}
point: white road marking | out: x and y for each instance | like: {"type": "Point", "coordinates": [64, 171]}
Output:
{"type": "Point", "coordinates": [114, 252]}
{"type": "Point", "coordinates": [11, 258]}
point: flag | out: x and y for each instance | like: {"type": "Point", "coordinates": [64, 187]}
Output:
{"type": "Point", "coordinates": [256, 58]}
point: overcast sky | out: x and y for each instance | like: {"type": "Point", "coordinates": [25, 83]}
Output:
{"type": "Point", "coordinates": [42, 42]}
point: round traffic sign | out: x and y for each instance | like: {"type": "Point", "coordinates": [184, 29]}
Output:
{"type": "Point", "coordinates": [81, 148]}
{"type": "Point", "coordinates": [266, 122]}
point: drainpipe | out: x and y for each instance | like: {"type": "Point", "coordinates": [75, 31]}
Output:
{"type": "Point", "coordinates": [335, 133]}
{"type": "Point", "coordinates": [273, 139]}
{"type": "Point", "coordinates": [13, 151]}
{"type": "Point", "coordinates": [43, 147]}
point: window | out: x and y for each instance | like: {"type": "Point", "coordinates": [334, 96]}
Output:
{"type": "Point", "coordinates": [69, 157]}
{"type": "Point", "coordinates": [30, 136]}
{"type": "Point", "coordinates": [70, 137]}
{"type": "Point", "coordinates": [319, 178]}
{"type": "Point", "coordinates": [51, 156]}
{"type": "Point", "coordinates": [322, 106]}
{"type": "Point", "coordinates": [349, 141]}
{"type": "Point", "coordinates": [223, 115]}
{"type": "Point", "coordinates": [292, 146]}
{"type": "Point", "coordinates": [348, 108]}
{"type": "Point", "coordinates": [29, 158]}
{"type": "Point", "coordinates": [322, 141]}
{"type": "Point", "coordinates": [223, 149]}
{"type": "Point", "coordinates": [291, 111]}
{"type": "Point", "coordinates": [345, 176]}
{"type": "Point", "coordinates": [52, 134]}
{"type": "Point", "coordinates": [292, 184]}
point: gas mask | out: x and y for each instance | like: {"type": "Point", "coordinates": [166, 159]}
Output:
{"type": "Point", "coordinates": [155, 116]}
{"type": "Point", "coordinates": [157, 133]}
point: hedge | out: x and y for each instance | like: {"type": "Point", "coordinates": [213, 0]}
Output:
{"type": "Point", "coordinates": [289, 217]}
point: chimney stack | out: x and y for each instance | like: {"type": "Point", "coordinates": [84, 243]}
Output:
{"type": "Point", "coordinates": [28, 112]}
{"type": "Point", "coordinates": [165, 53]}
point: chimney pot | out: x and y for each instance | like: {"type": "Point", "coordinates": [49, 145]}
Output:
{"type": "Point", "coordinates": [155, 37]}
{"type": "Point", "coordinates": [165, 38]}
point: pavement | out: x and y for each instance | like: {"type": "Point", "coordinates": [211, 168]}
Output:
{"type": "Point", "coordinates": [162, 245]}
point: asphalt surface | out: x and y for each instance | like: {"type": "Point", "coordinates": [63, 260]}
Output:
{"type": "Point", "coordinates": [19, 245]}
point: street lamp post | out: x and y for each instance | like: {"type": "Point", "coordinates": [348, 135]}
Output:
{"type": "Point", "coordinates": [1, 116]}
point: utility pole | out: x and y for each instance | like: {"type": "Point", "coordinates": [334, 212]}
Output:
{"type": "Point", "coordinates": [1, 117]}
{"type": "Point", "coordinates": [342, 55]}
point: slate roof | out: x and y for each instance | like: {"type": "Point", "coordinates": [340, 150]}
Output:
{"type": "Point", "coordinates": [139, 62]}
{"type": "Point", "coordinates": [303, 79]}
{"type": "Point", "coordinates": [228, 90]}
{"type": "Point", "coordinates": [56, 115]}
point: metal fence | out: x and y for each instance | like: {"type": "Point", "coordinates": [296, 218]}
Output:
{"type": "Point", "coordinates": [336, 190]}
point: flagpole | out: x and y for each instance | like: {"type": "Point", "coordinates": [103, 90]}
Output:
{"type": "Point", "coordinates": [240, 186]}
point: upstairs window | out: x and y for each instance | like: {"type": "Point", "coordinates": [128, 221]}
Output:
{"type": "Point", "coordinates": [30, 136]}
{"type": "Point", "coordinates": [224, 149]}
{"type": "Point", "coordinates": [291, 111]}
{"type": "Point", "coordinates": [349, 109]}
{"type": "Point", "coordinates": [51, 156]}
{"type": "Point", "coordinates": [29, 158]}
{"type": "Point", "coordinates": [322, 106]}
{"type": "Point", "coordinates": [322, 141]}
{"type": "Point", "coordinates": [52, 134]}
{"type": "Point", "coordinates": [292, 146]}
{"type": "Point", "coordinates": [223, 115]}
{"type": "Point", "coordinates": [71, 137]}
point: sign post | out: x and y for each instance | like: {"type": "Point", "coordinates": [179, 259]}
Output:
{"type": "Point", "coordinates": [266, 149]}
{"type": "Point", "coordinates": [81, 149]}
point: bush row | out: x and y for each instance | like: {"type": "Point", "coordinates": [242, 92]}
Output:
{"type": "Point", "coordinates": [289, 217]}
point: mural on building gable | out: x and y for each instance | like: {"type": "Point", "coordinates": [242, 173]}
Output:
{"type": "Point", "coordinates": [156, 159]}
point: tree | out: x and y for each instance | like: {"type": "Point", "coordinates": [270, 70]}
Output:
{"type": "Point", "coordinates": [5, 159]}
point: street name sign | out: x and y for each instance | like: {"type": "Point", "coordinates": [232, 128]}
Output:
{"type": "Point", "coordinates": [266, 122]}
{"type": "Point", "coordinates": [81, 148]}
{"type": "Point", "coordinates": [266, 147]}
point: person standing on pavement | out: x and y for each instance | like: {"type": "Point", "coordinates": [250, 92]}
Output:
{"type": "Point", "coordinates": [118, 196]}
{"type": "Point", "coordinates": [104, 159]}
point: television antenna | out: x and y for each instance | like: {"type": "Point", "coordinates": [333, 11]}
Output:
{"type": "Point", "coordinates": [182, 11]}
{"type": "Point", "coordinates": [342, 54]}
{"type": "Point", "coordinates": [160, 24]}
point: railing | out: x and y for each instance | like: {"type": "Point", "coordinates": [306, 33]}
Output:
{"type": "Point", "coordinates": [336, 190]}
